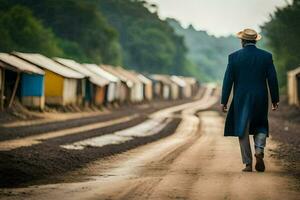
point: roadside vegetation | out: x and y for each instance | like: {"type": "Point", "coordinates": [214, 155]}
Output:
{"type": "Point", "coordinates": [282, 33]}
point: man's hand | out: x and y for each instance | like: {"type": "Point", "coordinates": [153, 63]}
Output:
{"type": "Point", "coordinates": [275, 106]}
{"type": "Point", "coordinates": [224, 108]}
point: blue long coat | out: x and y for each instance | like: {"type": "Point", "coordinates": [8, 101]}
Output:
{"type": "Point", "coordinates": [249, 71]}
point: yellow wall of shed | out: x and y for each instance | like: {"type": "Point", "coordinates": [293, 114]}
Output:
{"type": "Point", "coordinates": [54, 84]}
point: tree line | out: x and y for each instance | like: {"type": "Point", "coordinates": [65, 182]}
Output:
{"type": "Point", "coordinates": [99, 31]}
{"type": "Point", "coordinates": [130, 33]}
{"type": "Point", "coordinates": [283, 39]}
{"type": "Point", "coordinates": [209, 53]}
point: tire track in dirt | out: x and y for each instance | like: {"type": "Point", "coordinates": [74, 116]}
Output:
{"type": "Point", "coordinates": [159, 171]}
{"type": "Point", "coordinates": [153, 174]}
{"type": "Point", "coordinates": [8, 133]}
{"type": "Point", "coordinates": [38, 164]}
{"type": "Point", "coordinates": [175, 150]}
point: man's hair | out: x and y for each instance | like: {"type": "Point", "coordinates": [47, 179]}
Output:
{"type": "Point", "coordinates": [244, 42]}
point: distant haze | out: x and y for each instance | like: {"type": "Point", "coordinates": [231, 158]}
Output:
{"type": "Point", "coordinates": [219, 17]}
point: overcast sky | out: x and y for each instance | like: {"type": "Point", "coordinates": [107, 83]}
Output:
{"type": "Point", "coordinates": [219, 17]}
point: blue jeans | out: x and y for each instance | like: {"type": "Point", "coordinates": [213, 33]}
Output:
{"type": "Point", "coordinates": [259, 145]}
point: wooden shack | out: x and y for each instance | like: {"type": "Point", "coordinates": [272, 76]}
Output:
{"type": "Point", "coordinates": [169, 89]}
{"type": "Point", "coordinates": [156, 88]}
{"type": "Point", "coordinates": [93, 89]}
{"type": "Point", "coordinates": [111, 94]}
{"type": "Point", "coordinates": [189, 87]}
{"type": "Point", "coordinates": [193, 84]}
{"type": "Point", "coordinates": [22, 79]}
{"type": "Point", "coordinates": [148, 89]}
{"type": "Point", "coordinates": [181, 85]}
{"type": "Point", "coordinates": [293, 86]}
{"type": "Point", "coordinates": [137, 90]}
{"type": "Point", "coordinates": [62, 84]}
{"type": "Point", "coordinates": [125, 83]}
{"type": "Point", "coordinates": [114, 80]}
{"type": "Point", "coordinates": [147, 85]}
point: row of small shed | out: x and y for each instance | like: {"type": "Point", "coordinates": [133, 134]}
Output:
{"type": "Point", "coordinates": [38, 80]}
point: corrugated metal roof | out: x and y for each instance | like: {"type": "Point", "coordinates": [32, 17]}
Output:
{"type": "Point", "coordinates": [109, 75]}
{"type": "Point", "coordinates": [73, 65]}
{"type": "Point", "coordinates": [144, 79]}
{"type": "Point", "coordinates": [99, 71]}
{"type": "Point", "coordinates": [111, 70]}
{"type": "Point", "coordinates": [115, 72]}
{"type": "Point", "coordinates": [178, 81]}
{"type": "Point", "coordinates": [97, 80]}
{"type": "Point", "coordinates": [47, 63]}
{"type": "Point", "coordinates": [129, 75]}
{"type": "Point", "coordinates": [19, 64]}
{"type": "Point", "coordinates": [162, 78]}
{"type": "Point", "coordinates": [189, 80]}
{"type": "Point", "coordinates": [93, 68]}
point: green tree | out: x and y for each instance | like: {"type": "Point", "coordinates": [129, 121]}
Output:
{"type": "Point", "coordinates": [82, 29]}
{"type": "Point", "coordinates": [149, 44]}
{"type": "Point", "coordinates": [282, 33]}
{"type": "Point", "coordinates": [21, 31]}
{"type": "Point", "coordinates": [208, 53]}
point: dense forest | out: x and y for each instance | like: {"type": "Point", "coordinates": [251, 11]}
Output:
{"type": "Point", "coordinates": [208, 52]}
{"type": "Point", "coordinates": [102, 31]}
{"type": "Point", "coordinates": [282, 32]}
{"type": "Point", "coordinates": [130, 33]}
{"type": "Point", "coordinates": [75, 29]}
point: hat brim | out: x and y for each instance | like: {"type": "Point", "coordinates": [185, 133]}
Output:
{"type": "Point", "coordinates": [241, 36]}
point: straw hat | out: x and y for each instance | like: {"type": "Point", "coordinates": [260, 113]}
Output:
{"type": "Point", "coordinates": [248, 34]}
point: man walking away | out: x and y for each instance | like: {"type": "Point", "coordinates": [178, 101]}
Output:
{"type": "Point", "coordinates": [250, 71]}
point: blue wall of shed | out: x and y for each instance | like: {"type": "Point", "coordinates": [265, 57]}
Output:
{"type": "Point", "coordinates": [32, 85]}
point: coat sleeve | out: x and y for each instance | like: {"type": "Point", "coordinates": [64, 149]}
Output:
{"type": "Point", "coordinates": [227, 82]}
{"type": "Point", "coordinates": [272, 80]}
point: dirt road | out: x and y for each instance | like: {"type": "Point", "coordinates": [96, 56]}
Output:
{"type": "Point", "coordinates": [196, 162]}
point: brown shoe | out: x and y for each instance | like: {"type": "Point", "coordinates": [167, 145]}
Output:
{"type": "Point", "coordinates": [248, 168]}
{"type": "Point", "coordinates": [260, 165]}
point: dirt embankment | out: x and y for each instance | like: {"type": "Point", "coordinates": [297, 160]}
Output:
{"type": "Point", "coordinates": [285, 130]}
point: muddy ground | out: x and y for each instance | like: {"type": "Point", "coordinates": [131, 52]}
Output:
{"type": "Point", "coordinates": [284, 127]}
{"type": "Point", "coordinates": [43, 163]}
{"type": "Point", "coordinates": [142, 109]}
{"type": "Point", "coordinates": [195, 162]}
{"type": "Point", "coordinates": [46, 162]}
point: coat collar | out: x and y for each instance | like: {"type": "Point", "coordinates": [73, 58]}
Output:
{"type": "Point", "coordinates": [250, 45]}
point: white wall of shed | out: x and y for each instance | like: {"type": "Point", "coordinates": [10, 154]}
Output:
{"type": "Point", "coordinates": [137, 94]}
{"type": "Point", "coordinates": [69, 91]}
{"type": "Point", "coordinates": [111, 92]}
{"type": "Point", "coordinates": [174, 91]}
{"type": "Point", "coordinates": [166, 92]}
{"type": "Point", "coordinates": [188, 90]}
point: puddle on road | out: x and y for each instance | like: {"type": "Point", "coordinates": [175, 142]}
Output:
{"type": "Point", "coordinates": [154, 125]}
{"type": "Point", "coordinates": [97, 142]}
{"type": "Point", "coordinates": [148, 128]}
